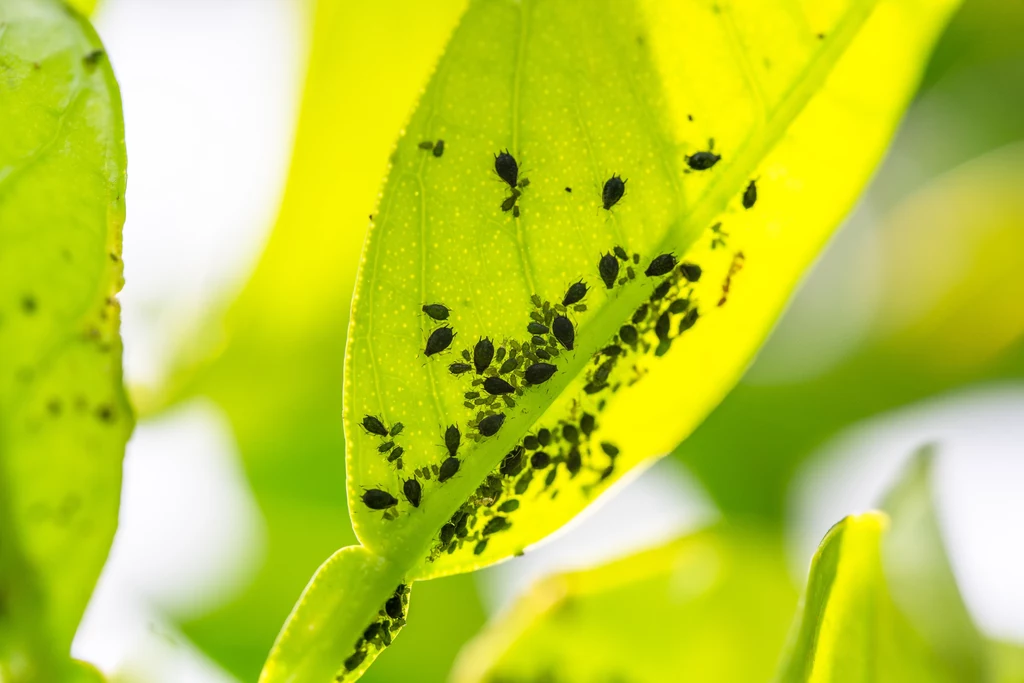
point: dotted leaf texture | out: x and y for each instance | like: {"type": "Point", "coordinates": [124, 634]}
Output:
{"type": "Point", "coordinates": [741, 133]}
{"type": "Point", "coordinates": [64, 419]}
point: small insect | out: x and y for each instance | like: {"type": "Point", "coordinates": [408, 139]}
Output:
{"type": "Point", "coordinates": [538, 373]}
{"type": "Point", "coordinates": [608, 267]}
{"type": "Point", "coordinates": [509, 506]}
{"type": "Point", "coordinates": [512, 464]}
{"type": "Point", "coordinates": [490, 425]}
{"type": "Point", "coordinates": [544, 437]}
{"type": "Point", "coordinates": [612, 192]}
{"type": "Point", "coordinates": [452, 438]}
{"type": "Point", "coordinates": [576, 292]}
{"type": "Point", "coordinates": [459, 368]}
{"type": "Point", "coordinates": [385, 636]}
{"type": "Point", "coordinates": [540, 460]}
{"type": "Point", "coordinates": [480, 547]}
{"type": "Point", "coordinates": [564, 332]}
{"type": "Point", "coordinates": [373, 425]}
{"type": "Point", "coordinates": [396, 454]}
{"type": "Point", "coordinates": [602, 372]}
{"type": "Point", "coordinates": [397, 428]}
{"type": "Point", "coordinates": [436, 311]}
{"type": "Point", "coordinates": [375, 499]}
{"type": "Point", "coordinates": [620, 253]}
{"type": "Point", "coordinates": [530, 442]}
{"type": "Point", "coordinates": [523, 483]}
{"type": "Point", "coordinates": [612, 350]}
{"type": "Point", "coordinates": [511, 200]}
{"type": "Point", "coordinates": [515, 212]}
{"type": "Point", "coordinates": [550, 479]}
{"type": "Point", "coordinates": [610, 449]}
{"type": "Point", "coordinates": [678, 306]}
{"type": "Point", "coordinates": [496, 386]}
{"type": "Point", "coordinates": [393, 607]}
{"type": "Point", "coordinates": [354, 660]}
{"type": "Point", "coordinates": [640, 314]}
{"type": "Point", "coordinates": [499, 354]}
{"type": "Point", "coordinates": [426, 144]}
{"type": "Point", "coordinates": [607, 472]}
{"type": "Point", "coordinates": [439, 148]}
{"type": "Point", "coordinates": [507, 169]}
{"type": "Point", "coordinates": [386, 446]}
{"type": "Point", "coordinates": [483, 354]}
{"type": "Point", "coordinates": [372, 631]}
{"type": "Point", "coordinates": [570, 434]}
{"type": "Point", "coordinates": [412, 491]}
{"type": "Point", "coordinates": [750, 195]}
{"type": "Point", "coordinates": [661, 265]}
{"type": "Point", "coordinates": [448, 469]}
{"type": "Point", "coordinates": [628, 334]}
{"type": "Point", "coordinates": [447, 533]}
{"type": "Point", "coordinates": [573, 462]}
{"type": "Point", "coordinates": [537, 328]}
{"type": "Point", "coordinates": [690, 271]}
{"type": "Point", "coordinates": [661, 327]}
{"type": "Point", "coordinates": [439, 340]}
{"type": "Point", "coordinates": [494, 525]}
{"type": "Point", "coordinates": [702, 161]}
{"type": "Point", "coordinates": [587, 424]}
{"type": "Point", "coordinates": [661, 290]}
{"type": "Point", "coordinates": [689, 320]}
{"type": "Point", "coordinates": [508, 366]}
{"type": "Point", "coordinates": [93, 58]}
{"type": "Point", "coordinates": [537, 340]}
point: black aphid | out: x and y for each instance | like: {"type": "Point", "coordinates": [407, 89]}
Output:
{"type": "Point", "coordinates": [507, 169]}
{"type": "Point", "coordinates": [386, 446]}
{"type": "Point", "coordinates": [515, 212]}
{"type": "Point", "coordinates": [439, 340]}
{"type": "Point", "coordinates": [573, 462]}
{"type": "Point", "coordinates": [354, 660]}
{"type": "Point", "coordinates": [483, 354]}
{"type": "Point", "coordinates": [661, 290]}
{"type": "Point", "coordinates": [543, 354]}
{"type": "Point", "coordinates": [372, 631]}
{"type": "Point", "coordinates": [608, 266]}
{"type": "Point", "coordinates": [576, 292]}
{"type": "Point", "coordinates": [480, 547]}
{"type": "Point", "coordinates": [397, 428]}
{"type": "Point", "coordinates": [393, 607]}
{"type": "Point", "coordinates": [640, 314]}
{"type": "Point", "coordinates": [750, 195]}
{"type": "Point", "coordinates": [395, 454]}
{"type": "Point", "coordinates": [689, 320]}
{"type": "Point", "coordinates": [661, 327]}
{"type": "Point", "coordinates": [679, 306]}
{"type": "Point", "coordinates": [540, 460]}
{"type": "Point", "coordinates": [494, 525]}
{"type": "Point", "coordinates": [439, 148]}
{"type": "Point", "coordinates": [459, 368]}
{"type": "Point", "coordinates": [523, 483]}
{"type": "Point", "coordinates": [537, 328]}
{"type": "Point", "coordinates": [413, 492]}
{"type": "Point", "coordinates": [544, 436]}
{"type": "Point", "coordinates": [570, 434]}
{"type": "Point", "coordinates": [538, 373]}
{"type": "Point", "coordinates": [613, 190]}
{"type": "Point", "coordinates": [661, 265]}
{"type": "Point", "coordinates": [587, 424]}
{"type": "Point", "coordinates": [628, 334]}
{"type": "Point", "coordinates": [564, 332]}
{"type": "Point", "coordinates": [690, 271]}
{"type": "Point", "coordinates": [512, 464]}
{"type": "Point", "coordinates": [490, 425]}
{"type": "Point", "coordinates": [436, 311]}
{"type": "Point", "coordinates": [620, 253]}
{"type": "Point", "coordinates": [511, 200]}
{"type": "Point", "coordinates": [610, 449]}
{"type": "Point", "coordinates": [452, 438]}
{"type": "Point", "coordinates": [448, 469]}
{"type": "Point", "coordinates": [530, 442]}
{"type": "Point", "coordinates": [702, 161]}
{"type": "Point", "coordinates": [508, 366]}
{"type": "Point", "coordinates": [374, 426]}
{"type": "Point", "coordinates": [447, 533]}
{"type": "Point", "coordinates": [537, 340]}
{"type": "Point", "coordinates": [496, 386]}
{"type": "Point", "coordinates": [426, 144]}
{"type": "Point", "coordinates": [375, 499]}
{"type": "Point", "coordinates": [509, 506]}
{"type": "Point", "coordinates": [385, 635]}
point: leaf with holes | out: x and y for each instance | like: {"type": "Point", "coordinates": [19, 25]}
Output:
{"type": "Point", "coordinates": [590, 223]}
{"type": "Point", "coordinates": [64, 419]}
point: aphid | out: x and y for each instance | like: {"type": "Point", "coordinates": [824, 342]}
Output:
{"type": "Point", "coordinates": [543, 354]}
{"type": "Point", "coordinates": [678, 306]}
{"type": "Point", "coordinates": [386, 446]}
{"type": "Point", "coordinates": [439, 148]}
{"type": "Point", "coordinates": [576, 292]}
{"type": "Point", "coordinates": [612, 192]}
{"type": "Point", "coordinates": [480, 547]}
{"type": "Point", "coordinates": [375, 499]}
{"type": "Point", "coordinates": [544, 437]}
{"type": "Point", "coordinates": [661, 265]}
{"type": "Point", "coordinates": [524, 183]}
{"type": "Point", "coordinates": [573, 462]}
{"type": "Point", "coordinates": [447, 533]}
{"type": "Point", "coordinates": [568, 189]}
{"type": "Point", "coordinates": [530, 442]}
{"type": "Point", "coordinates": [640, 314]}
{"type": "Point", "coordinates": [512, 464]}
{"type": "Point", "coordinates": [507, 169]}
{"type": "Point", "coordinates": [750, 195]}
{"type": "Point", "coordinates": [564, 331]}
{"type": "Point", "coordinates": [459, 368]}
{"type": "Point", "coordinates": [537, 340]}
{"type": "Point", "coordinates": [663, 346]}
{"type": "Point", "coordinates": [628, 334]}
{"type": "Point", "coordinates": [397, 428]}
{"type": "Point", "coordinates": [426, 144]}
{"type": "Point", "coordinates": [602, 372]}
{"type": "Point", "coordinates": [610, 449]}
{"type": "Point", "coordinates": [452, 438]}
{"type": "Point", "coordinates": [448, 469]}
{"type": "Point", "coordinates": [92, 58]}
{"type": "Point", "coordinates": [535, 299]}
{"type": "Point", "coordinates": [661, 327]}
{"type": "Point", "coordinates": [385, 636]}
{"type": "Point", "coordinates": [620, 253]}
{"type": "Point", "coordinates": [689, 320]}
{"type": "Point", "coordinates": [374, 426]}
{"type": "Point", "coordinates": [690, 271]}
{"type": "Point", "coordinates": [587, 424]}
{"type": "Point", "coordinates": [550, 479]}
{"type": "Point", "coordinates": [570, 434]}
{"type": "Point", "coordinates": [509, 506]}
{"type": "Point", "coordinates": [499, 355]}
{"type": "Point", "coordinates": [608, 267]}
{"type": "Point", "coordinates": [439, 340]}
{"type": "Point", "coordinates": [496, 386]}
{"type": "Point", "coordinates": [413, 492]}
{"type": "Point", "coordinates": [470, 395]}
{"type": "Point", "coordinates": [537, 328]}
{"type": "Point", "coordinates": [465, 354]}
{"type": "Point", "coordinates": [538, 373]}
{"type": "Point", "coordinates": [372, 631]}
{"type": "Point", "coordinates": [354, 660]}
{"type": "Point", "coordinates": [515, 212]}
{"type": "Point", "coordinates": [508, 366]}
{"type": "Point", "coordinates": [661, 290]}
{"type": "Point", "coordinates": [490, 425]}
{"type": "Point", "coordinates": [483, 354]}
{"type": "Point", "coordinates": [396, 454]}
{"type": "Point", "coordinates": [702, 161]}
{"type": "Point", "coordinates": [630, 273]}
{"type": "Point", "coordinates": [523, 483]}
{"type": "Point", "coordinates": [511, 200]}
{"type": "Point", "coordinates": [606, 472]}
{"type": "Point", "coordinates": [436, 311]}
{"type": "Point", "coordinates": [494, 525]}
{"type": "Point", "coordinates": [540, 460]}
{"type": "Point", "coordinates": [393, 607]}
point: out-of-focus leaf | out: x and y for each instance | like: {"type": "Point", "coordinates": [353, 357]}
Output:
{"type": "Point", "coordinates": [711, 607]}
{"type": "Point", "coordinates": [1008, 661]}
{"type": "Point", "coordinates": [85, 7]}
{"type": "Point", "coordinates": [578, 92]}
{"type": "Point", "coordinates": [64, 419]}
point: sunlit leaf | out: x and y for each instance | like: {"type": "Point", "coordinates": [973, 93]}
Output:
{"type": "Point", "coordinates": [687, 608]}
{"type": "Point", "coordinates": [579, 92]}
{"type": "Point", "coordinates": [64, 419]}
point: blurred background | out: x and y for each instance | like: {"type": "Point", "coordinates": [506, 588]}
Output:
{"type": "Point", "coordinates": [258, 133]}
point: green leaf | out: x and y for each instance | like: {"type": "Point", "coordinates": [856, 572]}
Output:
{"type": "Point", "coordinates": [687, 607]}
{"type": "Point", "coordinates": [578, 92]}
{"type": "Point", "coordinates": [64, 419]}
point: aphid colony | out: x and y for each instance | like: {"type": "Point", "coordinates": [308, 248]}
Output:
{"type": "Point", "coordinates": [378, 634]}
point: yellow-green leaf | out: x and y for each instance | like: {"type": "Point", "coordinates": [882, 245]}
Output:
{"type": "Point", "coordinates": [64, 419]}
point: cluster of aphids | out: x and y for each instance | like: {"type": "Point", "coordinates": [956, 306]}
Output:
{"type": "Point", "coordinates": [378, 634]}
{"type": "Point", "coordinates": [378, 499]}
